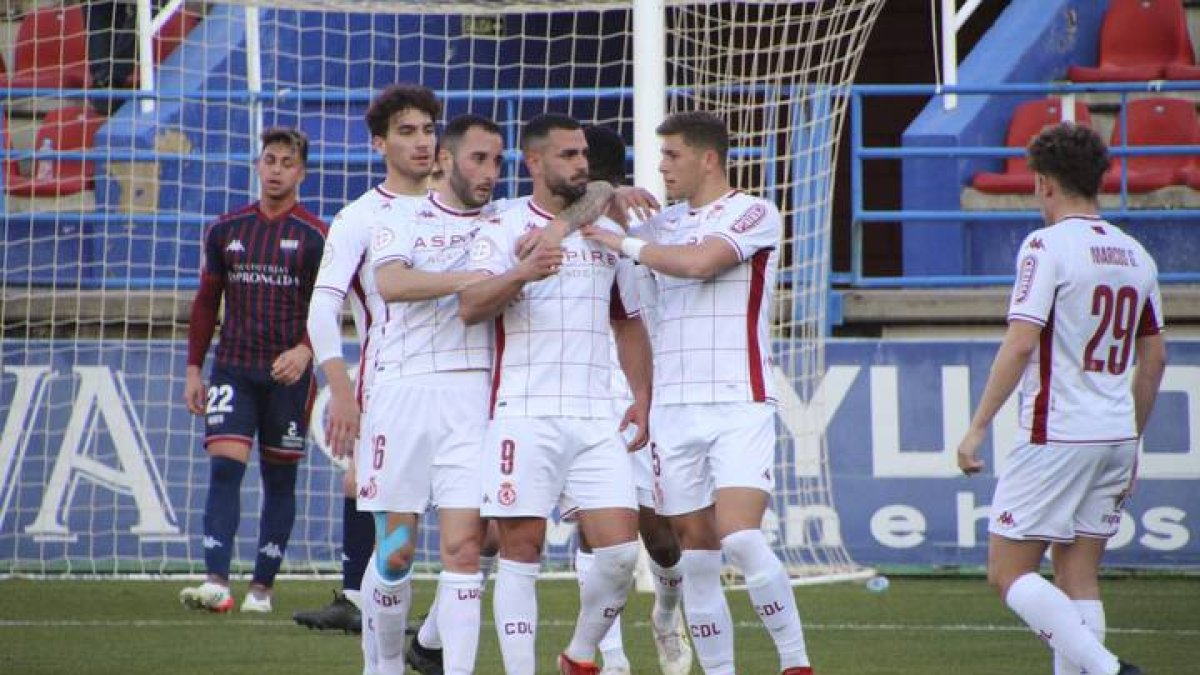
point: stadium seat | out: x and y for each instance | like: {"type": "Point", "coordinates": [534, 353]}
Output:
{"type": "Point", "coordinates": [69, 128]}
{"type": "Point", "coordinates": [1028, 121]}
{"type": "Point", "coordinates": [51, 50]}
{"type": "Point", "coordinates": [1151, 122]}
{"type": "Point", "coordinates": [1139, 40]}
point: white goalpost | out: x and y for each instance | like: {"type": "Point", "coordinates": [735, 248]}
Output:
{"type": "Point", "coordinates": [101, 467]}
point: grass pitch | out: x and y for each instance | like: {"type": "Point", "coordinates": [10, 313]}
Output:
{"type": "Point", "coordinates": [918, 626]}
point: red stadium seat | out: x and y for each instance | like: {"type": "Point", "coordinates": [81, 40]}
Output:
{"type": "Point", "coordinates": [1028, 121]}
{"type": "Point", "coordinates": [70, 128]}
{"type": "Point", "coordinates": [51, 50]}
{"type": "Point", "coordinates": [10, 171]}
{"type": "Point", "coordinates": [1139, 40]}
{"type": "Point", "coordinates": [1154, 121]}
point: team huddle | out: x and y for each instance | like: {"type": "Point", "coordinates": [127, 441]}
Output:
{"type": "Point", "coordinates": [578, 349]}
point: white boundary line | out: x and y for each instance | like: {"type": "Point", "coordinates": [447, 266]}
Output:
{"type": "Point", "coordinates": [558, 623]}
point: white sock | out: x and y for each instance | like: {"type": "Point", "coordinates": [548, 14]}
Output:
{"type": "Point", "coordinates": [515, 610]}
{"type": "Point", "coordinates": [391, 601]}
{"type": "Point", "coordinates": [668, 591]}
{"type": "Point", "coordinates": [1092, 612]}
{"type": "Point", "coordinates": [770, 592]}
{"type": "Point", "coordinates": [428, 634]}
{"type": "Point", "coordinates": [457, 608]}
{"type": "Point", "coordinates": [355, 598]}
{"type": "Point", "coordinates": [1049, 612]}
{"type": "Point", "coordinates": [612, 646]}
{"type": "Point", "coordinates": [486, 564]}
{"type": "Point", "coordinates": [602, 594]}
{"type": "Point", "coordinates": [370, 619]}
{"type": "Point", "coordinates": [707, 611]}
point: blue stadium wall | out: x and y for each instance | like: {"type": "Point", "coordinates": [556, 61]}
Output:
{"type": "Point", "coordinates": [1033, 41]}
{"type": "Point", "coordinates": [101, 466]}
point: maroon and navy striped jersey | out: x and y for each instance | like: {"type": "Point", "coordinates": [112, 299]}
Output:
{"type": "Point", "coordinates": [266, 268]}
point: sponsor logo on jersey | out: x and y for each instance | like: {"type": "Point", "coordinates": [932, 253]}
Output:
{"type": "Point", "coordinates": [1025, 279]}
{"type": "Point", "coordinates": [235, 246]}
{"type": "Point", "coordinates": [750, 219]}
{"type": "Point", "coordinates": [289, 244]}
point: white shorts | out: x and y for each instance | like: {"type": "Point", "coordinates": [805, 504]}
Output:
{"type": "Point", "coordinates": [425, 434]}
{"type": "Point", "coordinates": [701, 447]}
{"type": "Point", "coordinates": [530, 462]}
{"type": "Point", "coordinates": [1059, 492]}
{"type": "Point", "coordinates": [643, 475]}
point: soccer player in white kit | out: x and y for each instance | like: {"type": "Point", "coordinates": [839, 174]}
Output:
{"type": "Point", "coordinates": [552, 431]}
{"type": "Point", "coordinates": [400, 120]}
{"type": "Point", "coordinates": [345, 275]}
{"type": "Point", "coordinates": [1084, 343]}
{"type": "Point", "coordinates": [606, 162]}
{"type": "Point", "coordinates": [714, 255]}
{"type": "Point", "coordinates": [468, 164]}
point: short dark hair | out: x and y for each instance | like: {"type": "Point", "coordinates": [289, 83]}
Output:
{"type": "Point", "coordinates": [1073, 155]}
{"type": "Point", "coordinates": [458, 127]}
{"type": "Point", "coordinates": [606, 154]}
{"type": "Point", "coordinates": [540, 127]}
{"type": "Point", "coordinates": [396, 98]}
{"type": "Point", "coordinates": [293, 138]}
{"type": "Point", "coordinates": [699, 130]}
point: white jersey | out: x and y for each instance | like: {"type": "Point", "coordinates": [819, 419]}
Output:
{"type": "Point", "coordinates": [646, 291]}
{"type": "Point", "coordinates": [346, 274]}
{"type": "Point", "coordinates": [712, 337]}
{"type": "Point", "coordinates": [552, 342]}
{"type": "Point", "coordinates": [427, 336]}
{"type": "Point", "coordinates": [1094, 289]}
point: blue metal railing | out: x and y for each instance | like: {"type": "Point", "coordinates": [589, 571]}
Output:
{"type": "Point", "coordinates": [862, 217]}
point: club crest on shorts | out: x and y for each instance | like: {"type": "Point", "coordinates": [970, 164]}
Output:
{"type": "Point", "coordinates": [507, 494]}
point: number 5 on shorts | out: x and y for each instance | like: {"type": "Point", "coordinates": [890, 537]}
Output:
{"type": "Point", "coordinates": [508, 455]}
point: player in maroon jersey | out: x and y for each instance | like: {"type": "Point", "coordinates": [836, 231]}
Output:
{"type": "Point", "coordinates": [263, 260]}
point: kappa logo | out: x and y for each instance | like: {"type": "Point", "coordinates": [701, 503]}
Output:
{"type": "Point", "coordinates": [235, 246]}
{"type": "Point", "coordinates": [507, 495]}
{"type": "Point", "coordinates": [1028, 270]}
{"type": "Point", "coordinates": [1006, 520]}
{"type": "Point", "coordinates": [1036, 244]}
{"type": "Point", "coordinates": [210, 542]}
{"type": "Point", "coordinates": [750, 219]}
{"type": "Point", "coordinates": [426, 213]}
{"type": "Point", "coordinates": [272, 550]}
{"type": "Point", "coordinates": [369, 490]}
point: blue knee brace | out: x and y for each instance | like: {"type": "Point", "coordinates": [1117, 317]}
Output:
{"type": "Point", "coordinates": [389, 543]}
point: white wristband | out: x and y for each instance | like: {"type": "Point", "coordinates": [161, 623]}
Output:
{"type": "Point", "coordinates": [631, 247]}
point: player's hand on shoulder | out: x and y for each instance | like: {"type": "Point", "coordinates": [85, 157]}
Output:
{"type": "Point", "coordinates": [289, 366]}
{"type": "Point", "coordinates": [603, 236]}
{"type": "Point", "coordinates": [639, 201]}
{"type": "Point", "coordinates": [968, 452]}
{"type": "Point", "coordinates": [195, 393]}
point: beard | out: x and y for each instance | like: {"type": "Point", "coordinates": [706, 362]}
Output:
{"type": "Point", "coordinates": [464, 191]}
{"type": "Point", "coordinates": [563, 188]}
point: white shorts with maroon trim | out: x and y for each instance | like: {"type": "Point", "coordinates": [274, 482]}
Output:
{"type": "Point", "coordinates": [701, 447]}
{"type": "Point", "coordinates": [425, 435]}
{"type": "Point", "coordinates": [1059, 492]}
{"type": "Point", "coordinates": [530, 463]}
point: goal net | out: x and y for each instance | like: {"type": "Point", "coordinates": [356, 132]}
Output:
{"type": "Point", "coordinates": [120, 143]}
